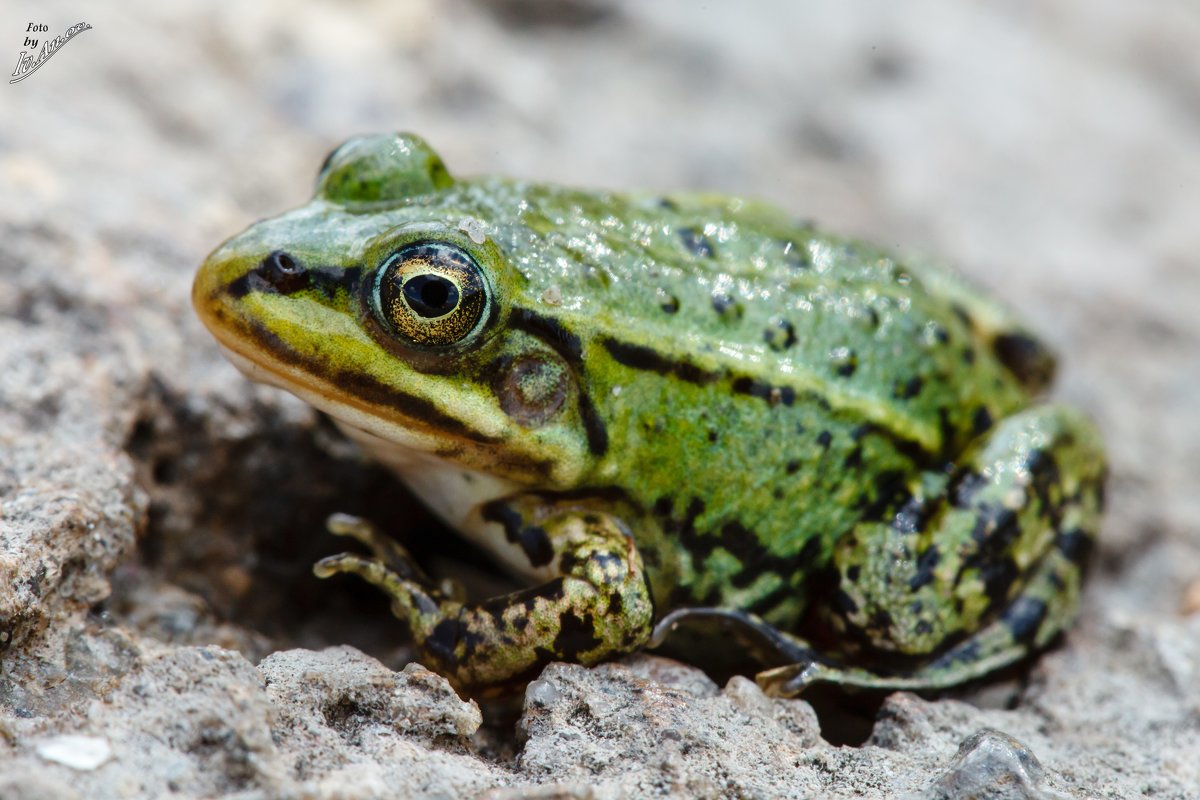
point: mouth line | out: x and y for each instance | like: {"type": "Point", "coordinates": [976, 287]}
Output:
{"type": "Point", "coordinates": [357, 398]}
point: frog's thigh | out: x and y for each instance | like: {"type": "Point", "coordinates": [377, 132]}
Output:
{"type": "Point", "coordinates": [983, 567]}
{"type": "Point", "coordinates": [598, 606]}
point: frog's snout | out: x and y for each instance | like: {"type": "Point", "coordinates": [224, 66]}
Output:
{"type": "Point", "coordinates": [209, 287]}
{"type": "Point", "coordinates": [242, 266]}
{"type": "Point", "coordinates": [229, 274]}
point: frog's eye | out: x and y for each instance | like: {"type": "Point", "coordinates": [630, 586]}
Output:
{"type": "Point", "coordinates": [431, 294]}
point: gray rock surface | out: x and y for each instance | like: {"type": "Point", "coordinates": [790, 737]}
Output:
{"type": "Point", "coordinates": [160, 631]}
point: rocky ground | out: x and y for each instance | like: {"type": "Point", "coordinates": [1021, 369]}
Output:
{"type": "Point", "coordinates": [160, 631]}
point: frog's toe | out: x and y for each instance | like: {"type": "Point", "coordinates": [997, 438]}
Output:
{"type": "Point", "coordinates": [385, 549]}
{"type": "Point", "coordinates": [411, 600]}
{"type": "Point", "coordinates": [789, 680]}
{"type": "Point", "coordinates": [371, 570]}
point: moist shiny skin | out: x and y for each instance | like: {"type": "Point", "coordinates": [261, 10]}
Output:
{"type": "Point", "coordinates": [671, 408]}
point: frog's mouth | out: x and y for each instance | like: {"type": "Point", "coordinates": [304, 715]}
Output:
{"type": "Point", "coordinates": [406, 442]}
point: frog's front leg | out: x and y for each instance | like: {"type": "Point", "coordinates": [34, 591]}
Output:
{"type": "Point", "coordinates": [597, 605]}
{"type": "Point", "coordinates": [970, 570]}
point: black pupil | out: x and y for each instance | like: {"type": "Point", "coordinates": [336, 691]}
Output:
{"type": "Point", "coordinates": [431, 296]}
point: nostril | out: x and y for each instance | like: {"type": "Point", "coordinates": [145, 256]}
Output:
{"type": "Point", "coordinates": [284, 262]}
{"type": "Point", "coordinates": [283, 272]}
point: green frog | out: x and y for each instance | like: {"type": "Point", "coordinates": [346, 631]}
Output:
{"type": "Point", "coordinates": [664, 409]}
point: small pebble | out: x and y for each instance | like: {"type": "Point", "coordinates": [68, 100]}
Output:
{"type": "Point", "coordinates": [991, 765]}
{"type": "Point", "coordinates": [84, 753]}
{"type": "Point", "coordinates": [1191, 599]}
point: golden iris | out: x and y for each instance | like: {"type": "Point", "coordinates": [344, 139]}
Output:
{"type": "Point", "coordinates": [430, 293]}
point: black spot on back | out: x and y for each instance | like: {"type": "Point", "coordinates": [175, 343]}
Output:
{"type": "Point", "coordinates": [774, 395]}
{"type": "Point", "coordinates": [981, 421]}
{"type": "Point", "coordinates": [909, 389]}
{"type": "Point", "coordinates": [965, 487]}
{"type": "Point", "coordinates": [696, 242]}
{"type": "Point", "coordinates": [1026, 358]}
{"type": "Point", "coordinates": [1075, 544]}
{"type": "Point", "coordinates": [780, 335]}
{"type": "Point", "coordinates": [846, 364]}
{"type": "Point", "coordinates": [855, 458]}
{"type": "Point", "coordinates": [926, 563]}
{"type": "Point", "coordinates": [724, 304]}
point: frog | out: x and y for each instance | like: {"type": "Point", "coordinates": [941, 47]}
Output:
{"type": "Point", "coordinates": [657, 410]}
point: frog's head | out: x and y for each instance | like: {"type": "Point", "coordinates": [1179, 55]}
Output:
{"type": "Point", "coordinates": [388, 303]}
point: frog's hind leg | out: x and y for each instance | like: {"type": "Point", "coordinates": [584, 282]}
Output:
{"type": "Point", "coordinates": [973, 571]}
{"type": "Point", "coordinates": [1029, 623]}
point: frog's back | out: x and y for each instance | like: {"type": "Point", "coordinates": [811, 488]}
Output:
{"type": "Point", "coordinates": [703, 288]}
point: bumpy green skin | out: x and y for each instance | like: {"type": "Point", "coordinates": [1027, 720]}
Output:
{"type": "Point", "coordinates": [689, 402]}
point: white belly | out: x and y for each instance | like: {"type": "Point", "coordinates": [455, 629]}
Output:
{"type": "Point", "coordinates": [455, 494]}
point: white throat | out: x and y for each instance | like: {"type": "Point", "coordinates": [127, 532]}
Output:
{"type": "Point", "coordinates": [454, 493]}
